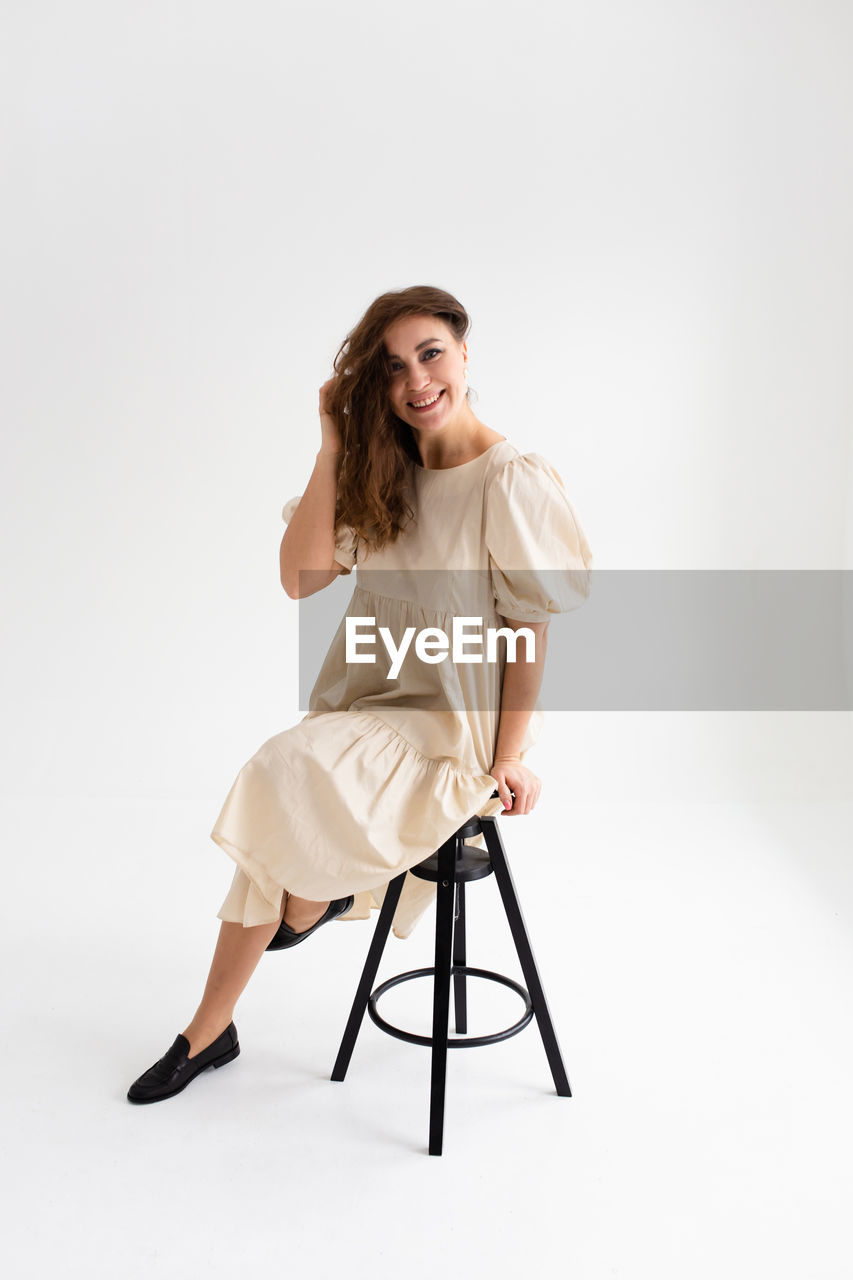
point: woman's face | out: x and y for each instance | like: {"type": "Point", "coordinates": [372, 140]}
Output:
{"type": "Point", "coordinates": [425, 361]}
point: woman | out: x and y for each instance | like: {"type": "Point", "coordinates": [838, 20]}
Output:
{"type": "Point", "coordinates": [445, 519]}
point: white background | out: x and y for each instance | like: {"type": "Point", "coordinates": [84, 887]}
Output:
{"type": "Point", "coordinates": [646, 208]}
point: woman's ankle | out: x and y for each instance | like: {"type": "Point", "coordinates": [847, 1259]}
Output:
{"type": "Point", "coordinates": [202, 1032]}
{"type": "Point", "coordinates": [301, 913]}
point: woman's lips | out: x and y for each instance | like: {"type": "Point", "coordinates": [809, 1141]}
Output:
{"type": "Point", "coordinates": [426, 408]}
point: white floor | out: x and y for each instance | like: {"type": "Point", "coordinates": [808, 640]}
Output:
{"type": "Point", "coordinates": [698, 961]}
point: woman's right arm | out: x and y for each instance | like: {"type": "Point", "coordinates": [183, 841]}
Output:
{"type": "Point", "coordinates": [309, 539]}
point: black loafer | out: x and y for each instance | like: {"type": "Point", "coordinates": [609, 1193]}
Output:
{"type": "Point", "coordinates": [286, 937]}
{"type": "Point", "coordinates": [174, 1071]}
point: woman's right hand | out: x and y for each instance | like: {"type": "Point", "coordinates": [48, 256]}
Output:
{"type": "Point", "coordinates": [331, 442]}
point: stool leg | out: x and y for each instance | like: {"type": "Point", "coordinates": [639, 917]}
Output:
{"type": "Point", "coordinates": [368, 976]}
{"type": "Point", "coordinates": [441, 992]}
{"type": "Point", "coordinates": [460, 1001]}
{"type": "Point", "coordinates": [520, 937]}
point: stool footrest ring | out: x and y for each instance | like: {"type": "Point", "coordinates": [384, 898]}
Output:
{"type": "Point", "coordinates": [458, 1042]}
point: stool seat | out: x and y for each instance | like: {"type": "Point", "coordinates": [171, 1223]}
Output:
{"type": "Point", "coordinates": [452, 866]}
{"type": "Point", "coordinates": [472, 863]}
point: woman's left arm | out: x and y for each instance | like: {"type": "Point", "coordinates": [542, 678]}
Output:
{"type": "Point", "coordinates": [521, 683]}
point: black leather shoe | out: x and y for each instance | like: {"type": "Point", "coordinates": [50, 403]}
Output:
{"type": "Point", "coordinates": [286, 937]}
{"type": "Point", "coordinates": [174, 1071]}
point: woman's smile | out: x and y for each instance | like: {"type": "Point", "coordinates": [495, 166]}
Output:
{"type": "Point", "coordinates": [425, 403]}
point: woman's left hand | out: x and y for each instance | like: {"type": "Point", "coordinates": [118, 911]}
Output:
{"type": "Point", "coordinates": [509, 772]}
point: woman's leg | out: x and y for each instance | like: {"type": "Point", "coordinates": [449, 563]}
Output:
{"type": "Point", "coordinates": [238, 950]}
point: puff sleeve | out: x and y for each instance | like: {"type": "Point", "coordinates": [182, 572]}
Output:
{"type": "Point", "coordinates": [539, 558]}
{"type": "Point", "coordinates": [346, 539]}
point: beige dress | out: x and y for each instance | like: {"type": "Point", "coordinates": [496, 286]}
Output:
{"type": "Point", "coordinates": [381, 771]}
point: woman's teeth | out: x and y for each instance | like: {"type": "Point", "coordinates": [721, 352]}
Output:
{"type": "Point", "coordinates": [426, 404]}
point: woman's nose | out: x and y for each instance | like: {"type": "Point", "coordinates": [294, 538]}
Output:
{"type": "Point", "coordinates": [418, 380]}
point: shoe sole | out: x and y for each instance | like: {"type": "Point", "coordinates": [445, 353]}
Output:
{"type": "Point", "coordinates": [217, 1062]}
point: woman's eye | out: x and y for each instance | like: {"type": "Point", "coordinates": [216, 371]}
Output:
{"type": "Point", "coordinates": [431, 351]}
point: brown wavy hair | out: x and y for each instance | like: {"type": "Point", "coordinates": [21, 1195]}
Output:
{"type": "Point", "coordinates": [379, 449]}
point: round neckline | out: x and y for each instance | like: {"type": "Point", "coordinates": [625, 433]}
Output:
{"type": "Point", "coordinates": [460, 466]}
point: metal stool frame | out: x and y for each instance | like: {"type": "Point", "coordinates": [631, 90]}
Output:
{"type": "Point", "coordinates": [451, 866]}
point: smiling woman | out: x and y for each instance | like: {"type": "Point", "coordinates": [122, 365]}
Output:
{"type": "Point", "coordinates": [431, 353]}
{"type": "Point", "coordinates": [446, 523]}
{"type": "Point", "coordinates": [429, 382]}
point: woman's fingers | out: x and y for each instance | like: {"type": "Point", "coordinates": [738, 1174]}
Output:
{"type": "Point", "coordinates": [523, 782]}
{"type": "Point", "coordinates": [330, 435]}
{"type": "Point", "coordinates": [526, 796]}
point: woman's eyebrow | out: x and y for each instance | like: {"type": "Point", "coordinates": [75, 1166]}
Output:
{"type": "Point", "coordinates": [425, 343]}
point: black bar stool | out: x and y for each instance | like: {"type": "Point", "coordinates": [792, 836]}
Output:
{"type": "Point", "coordinates": [452, 867]}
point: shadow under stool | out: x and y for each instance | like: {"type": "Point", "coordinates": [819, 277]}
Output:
{"type": "Point", "coordinates": [452, 866]}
